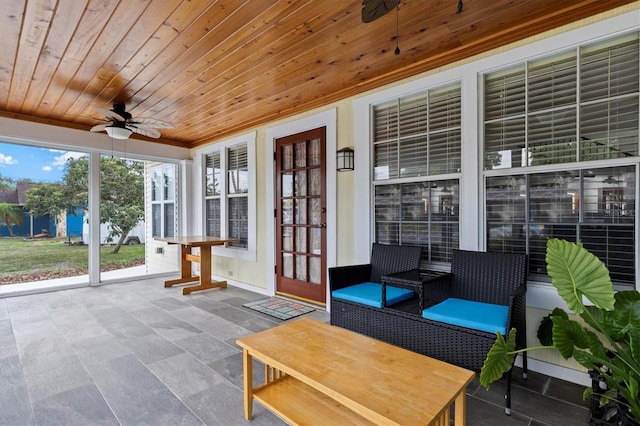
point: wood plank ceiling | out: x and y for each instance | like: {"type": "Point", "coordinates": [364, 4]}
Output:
{"type": "Point", "coordinates": [214, 68]}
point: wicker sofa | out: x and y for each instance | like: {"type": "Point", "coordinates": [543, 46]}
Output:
{"type": "Point", "coordinates": [494, 278]}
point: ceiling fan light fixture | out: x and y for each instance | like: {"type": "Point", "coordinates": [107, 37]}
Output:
{"type": "Point", "coordinates": [118, 132]}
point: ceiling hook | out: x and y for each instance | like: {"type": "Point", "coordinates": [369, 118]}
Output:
{"type": "Point", "coordinates": [397, 51]}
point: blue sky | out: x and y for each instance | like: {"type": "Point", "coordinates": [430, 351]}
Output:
{"type": "Point", "coordinates": [37, 164]}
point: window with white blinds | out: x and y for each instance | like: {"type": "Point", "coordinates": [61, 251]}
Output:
{"type": "Point", "coordinates": [418, 135]}
{"type": "Point", "coordinates": [595, 206]}
{"type": "Point", "coordinates": [213, 194]}
{"type": "Point", "coordinates": [227, 194]}
{"type": "Point", "coordinates": [238, 194]}
{"type": "Point", "coordinates": [579, 107]}
{"type": "Point", "coordinates": [419, 214]}
{"type": "Point", "coordinates": [416, 139]}
{"type": "Point", "coordinates": [163, 199]}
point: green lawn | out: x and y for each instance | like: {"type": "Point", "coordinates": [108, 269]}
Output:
{"type": "Point", "coordinates": [31, 260]}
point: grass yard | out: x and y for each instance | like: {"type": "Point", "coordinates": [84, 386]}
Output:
{"type": "Point", "coordinates": [46, 258]}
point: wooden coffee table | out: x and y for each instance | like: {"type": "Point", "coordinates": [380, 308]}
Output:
{"type": "Point", "coordinates": [316, 373]}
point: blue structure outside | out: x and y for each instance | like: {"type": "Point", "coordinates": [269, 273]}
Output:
{"type": "Point", "coordinates": [40, 223]}
{"type": "Point", "coordinates": [74, 224]}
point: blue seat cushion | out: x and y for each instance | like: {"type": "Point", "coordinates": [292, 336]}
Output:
{"type": "Point", "coordinates": [370, 294]}
{"type": "Point", "coordinates": [467, 313]}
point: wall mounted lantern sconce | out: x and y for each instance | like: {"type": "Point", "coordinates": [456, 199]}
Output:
{"type": "Point", "coordinates": [344, 160]}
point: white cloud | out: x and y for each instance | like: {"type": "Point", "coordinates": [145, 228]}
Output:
{"type": "Point", "coordinates": [60, 160]}
{"type": "Point", "coordinates": [6, 160]}
{"type": "Point", "coordinates": [47, 168]}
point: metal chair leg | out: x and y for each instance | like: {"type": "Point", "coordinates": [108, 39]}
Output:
{"type": "Point", "coordinates": [507, 396]}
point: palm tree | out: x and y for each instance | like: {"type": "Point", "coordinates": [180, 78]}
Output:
{"type": "Point", "coordinates": [11, 214]}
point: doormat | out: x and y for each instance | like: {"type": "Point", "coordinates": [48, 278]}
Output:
{"type": "Point", "coordinates": [279, 308]}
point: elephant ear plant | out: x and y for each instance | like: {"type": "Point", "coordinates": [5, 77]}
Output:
{"type": "Point", "coordinates": [606, 340]}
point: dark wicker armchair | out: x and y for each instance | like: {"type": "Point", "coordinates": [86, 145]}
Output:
{"type": "Point", "coordinates": [385, 259]}
{"type": "Point", "coordinates": [498, 278]}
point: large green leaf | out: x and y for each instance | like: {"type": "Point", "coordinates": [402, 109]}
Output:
{"type": "Point", "coordinates": [624, 321]}
{"type": "Point", "coordinates": [568, 334]}
{"type": "Point", "coordinates": [634, 342]}
{"type": "Point", "coordinates": [499, 359]}
{"type": "Point", "coordinates": [545, 329]}
{"type": "Point", "coordinates": [633, 395]}
{"type": "Point", "coordinates": [586, 360]}
{"type": "Point", "coordinates": [593, 316]}
{"type": "Point", "coordinates": [575, 272]}
{"type": "Point", "coordinates": [596, 347]}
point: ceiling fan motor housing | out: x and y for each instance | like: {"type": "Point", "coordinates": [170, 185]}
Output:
{"type": "Point", "coordinates": [120, 109]}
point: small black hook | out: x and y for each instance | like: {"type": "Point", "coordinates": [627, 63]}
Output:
{"type": "Point", "coordinates": [460, 6]}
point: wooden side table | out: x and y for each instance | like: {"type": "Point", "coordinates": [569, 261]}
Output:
{"type": "Point", "coordinates": [204, 243]}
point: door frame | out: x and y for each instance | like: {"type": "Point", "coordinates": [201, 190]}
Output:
{"type": "Point", "coordinates": [326, 119]}
{"type": "Point", "coordinates": [294, 286]}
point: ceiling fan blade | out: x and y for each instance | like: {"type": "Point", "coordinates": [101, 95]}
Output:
{"type": "Point", "coordinates": [110, 114]}
{"type": "Point", "coordinates": [144, 131]}
{"type": "Point", "coordinates": [151, 122]}
{"type": "Point", "coordinates": [106, 120]}
{"type": "Point", "coordinates": [100, 127]}
{"type": "Point", "coordinates": [374, 9]}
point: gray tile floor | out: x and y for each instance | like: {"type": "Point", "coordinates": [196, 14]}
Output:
{"type": "Point", "coordinates": [141, 354]}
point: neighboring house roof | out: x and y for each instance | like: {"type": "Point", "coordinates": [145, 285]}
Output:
{"type": "Point", "coordinates": [16, 196]}
{"type": "Point", "coordinates": [9, 196]}
{"type": "Point", "coordinates": [22, 188]}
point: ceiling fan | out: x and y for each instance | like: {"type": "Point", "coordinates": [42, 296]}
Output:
{"type": "Point", "coordinates": [610, 180]}
{"type": "Point", "coordinates": [374, 9]}
{"type": "Point", "coordinates": [121, 124]}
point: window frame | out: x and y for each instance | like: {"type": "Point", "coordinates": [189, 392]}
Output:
{"type": "Point", "coordinates": [162, 202]}
{"type": "Point", "coordinates": [434, 182]}
{"type": "Point", "coordinates": [575, 164]}
{"type": "Point", "coordinates": [231, 196]}
{"type": "Point", "coordinates": [228, 250]}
